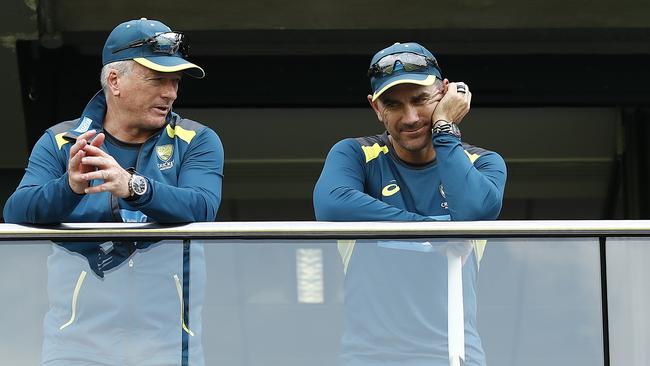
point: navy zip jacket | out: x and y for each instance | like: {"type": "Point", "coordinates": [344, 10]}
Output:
{"type": "Point", "coordinates": [142, 302]}
{"type": "Point", "coordinates": [395, 309]}
{"type": "Point", "coordinates": [183, 164]}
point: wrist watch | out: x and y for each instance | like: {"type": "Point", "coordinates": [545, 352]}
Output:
{"type": "Point", "coordinates": [442, 126]}
{"type": "Point", "coordinates": [138, 186]}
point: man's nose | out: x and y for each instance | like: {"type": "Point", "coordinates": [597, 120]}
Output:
{"type": "Point", "coordinates": [169, 90]}
{"type": "Point", "coordinates": [411, 114]}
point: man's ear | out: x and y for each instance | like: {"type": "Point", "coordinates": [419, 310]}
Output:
{"type": "Point", "coordinates": [445, 85]}
{"type": "Point", "coordinates": [375, 107]}
{"type": "Point", "coordinates": [113, 83]}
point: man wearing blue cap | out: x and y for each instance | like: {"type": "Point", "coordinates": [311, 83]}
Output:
{"type": "Point", "coordinates": [128, 158]}
{"type": "Point", "coordinates": [418, 170]}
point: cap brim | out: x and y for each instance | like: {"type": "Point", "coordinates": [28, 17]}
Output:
{"type": "Point", "coordinates": [419, 79]}
{"type": "Point", "coordinates": [171, 64]}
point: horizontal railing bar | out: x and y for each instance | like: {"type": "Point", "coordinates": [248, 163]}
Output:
{"type": "Point", "coordinates": [315, 230]}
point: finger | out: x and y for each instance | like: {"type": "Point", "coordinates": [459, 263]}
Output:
{"type": "Point", "coordinates": [95, 151]}
{"type": "Point", "coordinates": [97, 189]}
{"type": "Point", "coordinates": [87, 135]}
{"type": "Point", "coordinates": [462, 88]}
{"type": "Point", "coordinates": [107, 186]}
{"type": "Point", "coordinates": [96, 161]}
{"type": "Point", "coordinates": [75, 165]}
{"type": "Point", "coordinates": [97, 174]}
{"type": "Point", "coordinates": [465, 94]}
{"type": "Point", "coordinates": [82, 140]}
{"type": "Point", "coordinates": [452, 88]}
{"type": "Point", "coordinates": [98, 140]}
{"type": "Point", "coordinates": [75, 161]}
{"type": "Point", "coordinates": [78, 145]}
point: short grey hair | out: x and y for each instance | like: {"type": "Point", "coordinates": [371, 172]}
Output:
{"type": "Point", "coordinates": [122, 67]}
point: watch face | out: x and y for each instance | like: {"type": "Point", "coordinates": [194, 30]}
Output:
{"type": "Point", "coordinates": [139, 185]}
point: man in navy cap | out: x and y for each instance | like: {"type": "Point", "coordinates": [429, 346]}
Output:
{"type": "Point", "coordinates": [418, 170]}
{"type": "Point", "coordinates": [127, 158]}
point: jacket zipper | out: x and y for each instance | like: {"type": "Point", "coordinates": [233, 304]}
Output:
{"type": "Point", "coordinates": [113, 201]}
{"type": "Point", "coordinates": [179, 289]}
{"type": "Point", "coordinates": [75, 295]}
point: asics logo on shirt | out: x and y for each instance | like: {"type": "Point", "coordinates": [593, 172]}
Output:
{"type": "Point", "coordinates": [390, 190]}
{"type": "Point", "coordinates": [444, 204]}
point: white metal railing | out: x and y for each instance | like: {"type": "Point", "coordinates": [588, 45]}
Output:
{"type": "Point", "coordinates": [310, 229]}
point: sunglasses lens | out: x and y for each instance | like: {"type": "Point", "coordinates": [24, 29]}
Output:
{"type": "Point", "coordinates": [412, 67]}
{"type": "Point", "coordinates": [168, 43]}
{"type": "Point", "coordinates": [409, 62]}
{"type": "Point", "coordinates": [387, 70]}
{"type": "Point", "coordinates": [414, 60]}
{"type": "Point", "coordinates": [387, 64]}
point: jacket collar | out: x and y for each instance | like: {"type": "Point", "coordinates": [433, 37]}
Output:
{"type": "Point", "coordinates": [94, 113]}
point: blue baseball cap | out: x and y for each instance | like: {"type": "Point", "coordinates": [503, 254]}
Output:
{"type": "Point", "coordinates": [380, 82]}
{"type": "Point", "coordinates": [136, 40]}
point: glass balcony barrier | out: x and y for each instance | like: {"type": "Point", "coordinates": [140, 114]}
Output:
{"type": "Point", "coordinates": [306, 293]}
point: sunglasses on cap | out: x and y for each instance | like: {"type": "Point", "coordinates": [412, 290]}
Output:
{"type": "Point", "coordinates": [168, 43]}
{"type": "Point", "coordinates": [410, 62]}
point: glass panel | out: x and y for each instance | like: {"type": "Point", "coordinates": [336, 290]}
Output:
{"type": "Point", "coordinates": [540, 302]}
{"type": "Point", "coordinates": [281, 302]}
{"type": "Point", "coordinates": [118, 303]}
{"type": "Point", "coordinates": [628, 290]}
{"type": "Point", "coordinates": [272, 303]}
{"type": "Point", "coordinates": [23, 269]}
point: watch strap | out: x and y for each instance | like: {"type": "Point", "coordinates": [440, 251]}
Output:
{"type": "Point", "coordinates": [132, 195]}
{"type": "Point", "coordinates": [442, 126]}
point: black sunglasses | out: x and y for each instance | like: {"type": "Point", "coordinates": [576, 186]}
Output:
{"type": "Point", "coordinates": [410, 62]}
{"type": "Point", "coordinates": [168, 43]}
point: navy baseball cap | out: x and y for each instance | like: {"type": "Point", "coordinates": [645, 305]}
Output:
{"type": "Point", "coordinates": [411, 63]}
{"type": "Point", "coordinates": [150, 43]}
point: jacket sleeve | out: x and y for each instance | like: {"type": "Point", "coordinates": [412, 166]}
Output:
{"type": "Point", "coordinates": [43, 195]}
{"type": "Point", "coordinates": [198, 194]}
{"type": "Point", "coordinates": [339, 193]}
{"type": "Point", "coordinates": [473, 183]}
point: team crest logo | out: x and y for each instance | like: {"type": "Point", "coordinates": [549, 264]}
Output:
{"type": "Point", "coordinates": [165, 152]}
